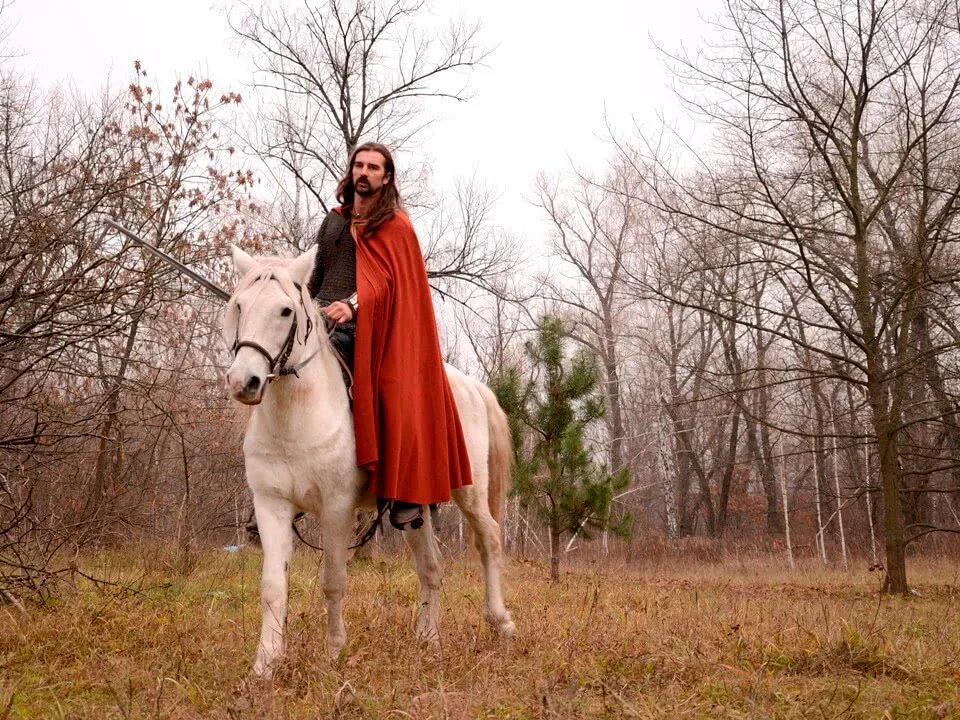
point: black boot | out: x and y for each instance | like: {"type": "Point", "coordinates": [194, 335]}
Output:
{"type": "Point", "coordinates": [405, 514]}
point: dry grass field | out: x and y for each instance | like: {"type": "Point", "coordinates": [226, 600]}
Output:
{"type": "Point", "coordinates": [737, 640]}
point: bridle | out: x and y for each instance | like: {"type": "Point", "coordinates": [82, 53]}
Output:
{"type": "Point", "coordinates": [278, 364]}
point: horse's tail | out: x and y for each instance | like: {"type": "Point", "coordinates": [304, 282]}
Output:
{"type": "Point", "coordinates": [500, 455]}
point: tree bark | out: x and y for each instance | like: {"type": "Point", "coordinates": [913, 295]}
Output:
{"type": "Point", "coordinates": [896, 569]}
{"type": "Point", "coordinates": [727, 479]}
{"type": "Point", "coordinates": [767, 474]}
{"type": "Point", "coordinates": [554, 554]}
{"type": "Point", "coordinates": [615, 417]}
{"type": "Point", "coordinates": [765, 458]}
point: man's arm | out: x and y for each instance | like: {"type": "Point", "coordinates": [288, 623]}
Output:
{"type": "Point", "coordinates": [316, 278]}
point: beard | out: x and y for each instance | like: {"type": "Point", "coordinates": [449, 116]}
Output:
{"type": "Point", "coordinates": [363, 188]}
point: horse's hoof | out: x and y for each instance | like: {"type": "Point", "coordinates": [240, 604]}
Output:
{"type": "Point", "coordinates": [335, 652]}
{"type": "Point", "coordinates": [262, 671]}
{"type": "Point", "coordinates": [503, 626]}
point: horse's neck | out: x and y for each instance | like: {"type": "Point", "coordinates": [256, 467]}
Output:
{"type": "Point", "coordinates": [297, 404]}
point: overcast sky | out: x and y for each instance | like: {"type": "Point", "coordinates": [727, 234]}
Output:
{"type": "Point", "coordinates": [556, 69]}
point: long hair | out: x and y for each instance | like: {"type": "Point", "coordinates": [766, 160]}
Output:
{"type": "Point", "coordinates": [386, 203]}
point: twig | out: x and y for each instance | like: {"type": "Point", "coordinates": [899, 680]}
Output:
{"type": "Point", "coordinates": [14, 600]}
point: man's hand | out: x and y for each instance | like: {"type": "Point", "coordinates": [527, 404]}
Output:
{"type": "Point", "coordinates": [338, 311]}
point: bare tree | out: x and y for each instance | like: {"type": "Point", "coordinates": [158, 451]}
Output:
{"type": "Point", "coordinates": [340, 73]}
{"type": "Point", "coordinates": [467, 251]}
{"type": "Point", "coordinates": [837, 120]}
{"type": "Point", "coordinates": [104, 354]}
{"type": "Point", "coordinates": [592, 231]}
{"type": "Point", "coordinates": [334, 74]}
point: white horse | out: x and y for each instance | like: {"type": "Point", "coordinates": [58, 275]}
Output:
{"type": "Point", "coordinates": [300, 455]}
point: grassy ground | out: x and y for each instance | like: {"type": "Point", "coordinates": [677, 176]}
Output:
{"type": "Point", "coordinates": [734, 640]}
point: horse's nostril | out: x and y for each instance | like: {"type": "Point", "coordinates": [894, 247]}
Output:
{"type": "Point", "coordinates": [253, 384]}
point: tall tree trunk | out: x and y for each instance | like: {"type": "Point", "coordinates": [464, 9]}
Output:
{"type": "Point", "coordinates": [884, 396]}
{"type": "Point", "coordinates": [728, 471]}
{"type": "Point", "coordinates": [769, 478]}
{"type": "Point", "coordinates": [767, 473]}
{"type": "Point", "coordinates": [836, 481]}
{"type": "Point", "coordinates": [669, 486]}
{"type": "Point", "coordinates": [823, 508]}
{"type": "Point", "coordinates": [690, 462]}
{"type": "Point", "coordinates": [869, 494]}
{"type": "Point", "coordinates": [685, 512]}
{"type": "Point", "coordinates": [614, 417]}
{"type": "Point", "coordinates": [896, 577]}
{"type": "Point", "coordinates": [784, 495]}
{"type": "Point", "coordinates": [612, 390]}
{"type": "Point", "coordinates": [819, 463]}
{"type": "Point", "coordinates": [728, 338]}
{"type": "Point", "coordinates": [554, 554]}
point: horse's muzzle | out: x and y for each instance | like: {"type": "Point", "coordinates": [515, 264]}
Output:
{"type": "Point", "coordinates": [245, 388]}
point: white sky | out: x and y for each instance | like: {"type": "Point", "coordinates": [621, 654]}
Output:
{"type": "Point", "coordinates": [557, 67]}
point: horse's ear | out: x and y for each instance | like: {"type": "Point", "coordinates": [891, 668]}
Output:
{"type": "Point", "coordinates": [242, 262]}
{"type": "Point", "coordinates": [302, 268]}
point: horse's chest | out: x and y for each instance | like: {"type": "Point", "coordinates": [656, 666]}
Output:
{"type": "Point", "coordinates": [297, 472]}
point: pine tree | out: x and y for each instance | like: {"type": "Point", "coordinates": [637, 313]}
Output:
{"type": "Point", "coordinates": [555, 474]}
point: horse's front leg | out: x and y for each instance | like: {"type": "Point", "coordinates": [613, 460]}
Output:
{"type": "Point", "coordinates": [274, 522]}
{"type": "Point", "coordinates": [426, 556]}
{"type": "Point", "coordinates": [336, 522]}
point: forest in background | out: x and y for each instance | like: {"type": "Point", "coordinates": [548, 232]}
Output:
{"type": "Point", "coordinates": [773, 314]}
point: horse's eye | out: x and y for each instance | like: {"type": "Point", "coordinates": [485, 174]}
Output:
{"type": "Point", "coordinates": [285, 312]}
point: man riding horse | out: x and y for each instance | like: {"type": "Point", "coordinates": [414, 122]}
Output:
{"type": "Point", "coordinates": [371, 280]}
{"type": "Point", "coordinates": [419, 432]}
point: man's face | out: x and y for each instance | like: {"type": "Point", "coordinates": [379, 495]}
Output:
{"type": "Point", "coordinates": [369, 175]}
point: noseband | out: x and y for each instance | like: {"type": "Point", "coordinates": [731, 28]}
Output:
{"type": "Point", "coordinates": [275, 363]}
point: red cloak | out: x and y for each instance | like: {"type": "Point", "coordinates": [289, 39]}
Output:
{"type": "Point", "coordinates": [408, 431]}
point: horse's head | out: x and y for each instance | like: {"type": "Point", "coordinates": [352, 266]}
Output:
{"type": "Point", "coordinates": [267, 320]}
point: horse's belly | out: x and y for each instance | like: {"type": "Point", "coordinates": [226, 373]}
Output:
{"type": "Point", "coordinates": [473, 416]}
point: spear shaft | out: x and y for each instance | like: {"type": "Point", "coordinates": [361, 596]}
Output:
{"type": "Point", "coordinates": [170, 260]}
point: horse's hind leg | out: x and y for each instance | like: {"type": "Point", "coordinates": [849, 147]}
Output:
{"type": "Point", "coordinates": [274, 518]}
{"type": "Point", "coordinates": [486, 533]}
{"type": "Point", "coordinates": [336, 523]}
{"type": "Point", "coordinates": [426, 556]}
